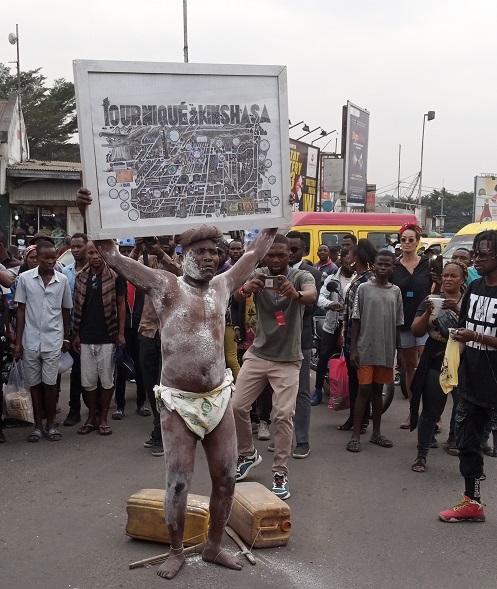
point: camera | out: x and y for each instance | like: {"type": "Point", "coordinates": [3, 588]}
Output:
{"type": "Point", "coordinates": [149, 240]}
{"type": "Point", "coordinates": [273, 282]}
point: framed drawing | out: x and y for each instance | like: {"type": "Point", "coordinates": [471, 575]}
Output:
{"type": "Point", "coordinates": [167, 146]}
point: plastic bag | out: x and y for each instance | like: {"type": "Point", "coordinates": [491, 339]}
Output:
{"type": "Point", "coordinates": [17, 396]}
{"type": "Point", "coordinates": [339, 384]}
{"type": "Point", "coordinates": [65, 362]}
{"type": "Point", "coordinates": [122, 358]}
{"type": "Point", "coordinates": [450, 365]}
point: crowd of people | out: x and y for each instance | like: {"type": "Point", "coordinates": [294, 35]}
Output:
{"type": "Point", "coordinates": [384, 310]}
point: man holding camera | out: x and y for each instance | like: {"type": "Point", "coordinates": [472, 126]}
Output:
{"type": "Point", "coordinates": [275, 357]}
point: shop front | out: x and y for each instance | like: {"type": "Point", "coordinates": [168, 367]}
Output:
{"type": "Point", "coordinates": [42, 198]}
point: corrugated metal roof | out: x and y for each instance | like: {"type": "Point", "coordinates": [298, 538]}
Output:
{"type": "Point", "coordinates": [49, 166]}
{"type": "Point", "coordinates": [3, 106]}
{"type": "Point", "coordinates": [61, 191]}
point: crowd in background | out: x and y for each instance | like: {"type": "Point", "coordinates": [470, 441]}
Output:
{"type": "Point", "coordinates": [381, 311]}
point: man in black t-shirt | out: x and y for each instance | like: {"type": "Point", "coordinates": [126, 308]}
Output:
{"type": "Point", "coordinates": [477, 375]}
{"type": "Point", "coordinates": [99, 319]}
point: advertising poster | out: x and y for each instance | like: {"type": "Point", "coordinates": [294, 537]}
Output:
{"type": "Point", "coordinates": [304, 166]}
{"type": "Point", "coordinates": [485, 198]}
{"type": "Point", "coordinates": [356, 155]}
{"type": "Point", "coordinates": [166, 147]}
{"type": "Point", "coordinates": [370, 198]}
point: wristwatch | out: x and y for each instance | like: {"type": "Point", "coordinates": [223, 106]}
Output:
{"type": "Point", "coordinates": [300, 295]}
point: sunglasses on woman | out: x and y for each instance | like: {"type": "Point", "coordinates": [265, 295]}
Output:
{"type": "Point", "coordinates": [407, 239]}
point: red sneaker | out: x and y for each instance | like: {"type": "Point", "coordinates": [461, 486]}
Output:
{"type": "Point", "coordinates": [469, 510]}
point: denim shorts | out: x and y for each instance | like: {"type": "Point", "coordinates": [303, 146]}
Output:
{"type": "Point", "coordinates": [409, 340]}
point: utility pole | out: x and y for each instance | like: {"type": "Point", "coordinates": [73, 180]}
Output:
{"type": "Point", "coordinates": [14, 40]}
{"type": "Point", "coordinates": [430, 115]}
{"type": "Point", "coordinates": [398, 175]}
{"type": "Point", "coordinates": [185, 30]}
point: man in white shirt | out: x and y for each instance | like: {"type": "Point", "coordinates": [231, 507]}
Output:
{"type": "Point", "coordinates": [43, 320]}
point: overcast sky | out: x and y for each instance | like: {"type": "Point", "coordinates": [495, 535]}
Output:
{"type": "Point", "coordinates": [396, 58]}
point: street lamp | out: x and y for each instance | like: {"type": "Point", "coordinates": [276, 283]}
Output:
{"type": "Point", "coordinates": [441, 218]}
{"type": "Point", "coordinates": [323, 134]}
{"type": "Point", "coordinates": [14, 40]}
{"type": "Point", "coordinates": [296, 124]}
{"type": "Point", "coordinates": [306, 128]}
{"type": "Point", "coordinates": [430, 115]}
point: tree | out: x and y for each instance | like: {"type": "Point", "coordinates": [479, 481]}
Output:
{"type": "Point", "coordinates": [458, 208]}
{"type": "Point", "coordinates": [49, 113]}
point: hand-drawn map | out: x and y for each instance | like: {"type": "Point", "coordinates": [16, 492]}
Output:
{"type": "Point", "coordinates": [181, 163]}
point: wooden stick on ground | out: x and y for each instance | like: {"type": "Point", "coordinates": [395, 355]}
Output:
{"type": "Point", "coordinates": [239, 542]}
{"type": "Point", "coordinates": [197, 549]}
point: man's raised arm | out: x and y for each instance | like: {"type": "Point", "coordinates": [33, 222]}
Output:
{"type": "Point", "coordinates": [239, 273]}
{"type": "Point", "coordinates": [141, 276]}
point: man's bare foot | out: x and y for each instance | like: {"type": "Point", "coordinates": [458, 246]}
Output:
{"type": "Point", "coordinates": [172, 565]}
{"type": "Point", "coordinates": [220, 556]}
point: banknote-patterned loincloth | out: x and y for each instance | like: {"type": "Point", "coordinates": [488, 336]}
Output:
{"type": "Point", "coordinates": [201, 412]}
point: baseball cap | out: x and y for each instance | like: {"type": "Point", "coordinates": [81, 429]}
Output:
{"type": "Point", "coordinates": [223, 245]}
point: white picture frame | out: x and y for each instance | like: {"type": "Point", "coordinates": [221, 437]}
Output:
{"type": "Point", "coordinates": [168, 146]}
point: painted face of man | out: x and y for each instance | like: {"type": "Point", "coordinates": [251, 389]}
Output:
{"type": "Point", "coordinates": [201, 260]}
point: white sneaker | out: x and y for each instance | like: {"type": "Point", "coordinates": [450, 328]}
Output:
{"type": "Point", "coordinates": [263, 431]}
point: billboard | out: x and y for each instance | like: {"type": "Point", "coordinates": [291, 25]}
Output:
{"type": "Point", "coordinates": [304, 168]}
{"type": "Point", "coordinates": [168, 146]}
{"type": "Point", "coordinates": [371, 198]}
{"type": "Point", "coordinates": [485, 198]}
{"type": "Point", "coordinates": [356, 154]}
{"type": "Point", "coordinates": [332, 174]}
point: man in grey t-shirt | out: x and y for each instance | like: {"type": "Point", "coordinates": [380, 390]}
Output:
{"type": "Point", "coordinates": [275, 357]}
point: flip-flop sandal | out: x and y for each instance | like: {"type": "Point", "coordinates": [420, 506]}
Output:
{"type": "Point", "coordinates": [143, 411]}
{"type": "Point", "coordinates": [419, 464]}
{"type": "Point", "coordinates": [53, 435]}
{"type": "Point", "coordinates": [381, 441]}
{"type": "Point", "coordinates": [364, 428]}
{"type": "Point", "coordinates": [347, 426]}
{"type": "Point", "coordinates": [104, 430]}
{"type": "Point", "coordinates": [87, 428]}
{"type": "Point", "coordinates": [451, 450]}
{"type": "Point", "coordinates": [354, 446]}
{"type": "Point", "coordinates": [118, 414]}
{"type": "Point", "coordinates": [36, 435]}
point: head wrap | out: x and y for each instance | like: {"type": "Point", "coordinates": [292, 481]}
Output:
{"type": "Point", "coordinates": [191, 236]}
{"type": "Point", "coordinates": [28, 250]}
{"type": "Point", "coordinates": [412, 227]}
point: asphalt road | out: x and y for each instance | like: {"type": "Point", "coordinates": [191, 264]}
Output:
{"type": "Point", "coordinates": [358, 520]}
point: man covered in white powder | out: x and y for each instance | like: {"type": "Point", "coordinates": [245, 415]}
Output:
{"type": "Point", "coordinates": [195, 390]}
